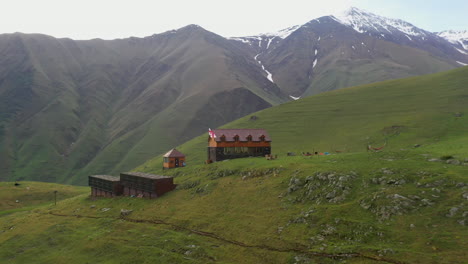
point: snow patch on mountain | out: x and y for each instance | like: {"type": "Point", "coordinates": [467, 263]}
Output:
{"type": "Point", "coordinates": [244, 40]}
{"type": "Point", "coordinates": [281, 34]}
{"type": "Point", "coordinates": [315, 63]}
{"type": "Point", "coordinates": [461, 63]}
{"type": "Point", "coordinates": [455, 37]}
{"type": "Point", "coordinates": [249, 40]}
{"type": "Point", "coordinates": [461, 51]}
{"type": "Point", "coordinates": [269, 42]}
{"type": "Point", "coordinates": [363, 22]}
{"type": "Point", "coordinates": [284, 33]}
{"type": "Point", "coordinates": [269, 75]}
{"type": "Point", "coordinates": [295, 98]}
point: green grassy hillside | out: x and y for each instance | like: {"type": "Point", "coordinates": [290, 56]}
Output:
{"type": "Point", "coordinates": [431, 111]}
{"type": "Point", "coordinates": [392, 206]}
{"type": "Point", "coordinates": [27, 195]}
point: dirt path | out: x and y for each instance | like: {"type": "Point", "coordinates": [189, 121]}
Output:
{"type": "Point", "coordinates": [302, 250]}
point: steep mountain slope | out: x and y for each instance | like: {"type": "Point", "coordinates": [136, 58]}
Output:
{"type": "Point", "coordinates": [69, 107]}
{"type": "Point", "coordinates": [353, 48]}
{"type": "Point", "coordinates": [390, 206]}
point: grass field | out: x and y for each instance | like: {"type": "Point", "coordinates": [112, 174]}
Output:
{"type": "Point", "coordinates": [257, 211]}
{"type": "Point", "coordinates": [28, 195]}
{"type": "Point", "coordinates": [392, 206]}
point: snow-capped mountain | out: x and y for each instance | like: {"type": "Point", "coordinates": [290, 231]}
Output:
{"type": "Point", "coordinates": [366, 22]}
{"type": "Point", "coordinates": [456, 37]}
{"type": "Point", "coordinates": [351, 48]}
{"type": "Point", "coordinates": [396, 30]}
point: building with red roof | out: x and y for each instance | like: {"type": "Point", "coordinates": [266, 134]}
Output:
{"type": "Point", "coordinates": [237, 143]}
{"type": "Point", "coordinates": [173, 159]}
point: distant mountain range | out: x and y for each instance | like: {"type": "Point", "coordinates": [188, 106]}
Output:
{"type": "Point", "coordinates": [71, 108]}
{"type": "Point", "coordinates": [353, 48]}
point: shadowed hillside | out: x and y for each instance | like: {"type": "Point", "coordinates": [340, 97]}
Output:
{"type": "Point", "coordinates": [69, 108]}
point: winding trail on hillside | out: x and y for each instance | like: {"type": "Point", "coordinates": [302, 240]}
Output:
{"type": "Point", "coordinates": [302, 250]}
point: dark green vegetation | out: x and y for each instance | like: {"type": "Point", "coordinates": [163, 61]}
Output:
{"type": "Point", "coordinates": [405, 204]}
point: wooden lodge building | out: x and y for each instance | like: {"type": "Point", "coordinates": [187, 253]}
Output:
{"type": "Point", "coordinates": [173, 159]}
{"type": "Point", "coordinates": [146, 185]}
{"type": "Point", "coordinates": [237, 143]}
{"type": "Point", "coordinates": [105, 186]}
{"type": "Point", "coordinates": [136, 184]}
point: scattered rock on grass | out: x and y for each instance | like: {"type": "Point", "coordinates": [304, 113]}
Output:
{"type": "Point", "coordinates": [465, 195]}
{"type": "Point", "coordinates": [387, 171]}
{"type": "Point", "coordinates": [124, 212]}
{"type": "Point", "coordinates": [452, 212]}
{"type": "Point", "coordinates": [453, 162]}
{"type": "Point", "coordinates": [321, 187]}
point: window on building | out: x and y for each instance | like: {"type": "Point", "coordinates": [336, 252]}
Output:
{"type": "Point", "coordinates": [236, 138]}
{"type": "Point", "coordinates": [166, 159]}
{"type": "Point", "coordinates": [236, 150]}
{"type": "Point", "coordinates": [249, 138]}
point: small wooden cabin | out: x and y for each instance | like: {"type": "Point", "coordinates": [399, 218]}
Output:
{"type": "Point", "coordinates": [173, 159]}
{"type": "Point", "coordinates": [105, 186]}
{"type": "Point", "coordinates": [145, 185]}
{"type": "Point", "coordinates": [238, 143]}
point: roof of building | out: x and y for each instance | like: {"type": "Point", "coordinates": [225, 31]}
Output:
{"type": "Point", "coordinates": [174, 153]}
{"type": "Point", "coordinates": [145, 175]}
{"type": "Point", "coordinates": [229, 134]}
{"type": "Point", "coordinates": [106, 177]}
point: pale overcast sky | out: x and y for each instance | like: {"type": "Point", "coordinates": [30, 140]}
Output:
{"type": "Point", "coordinates": [110, 19]}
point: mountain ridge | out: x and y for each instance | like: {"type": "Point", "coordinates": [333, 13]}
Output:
{"type": "Point", "coordinates": [80, 98]}
{"type": "Point", "coordinates": [352, 29]}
